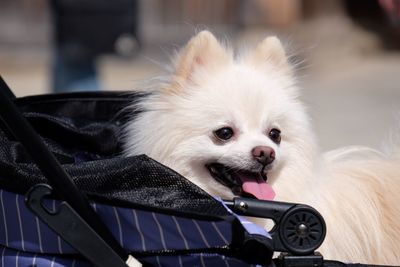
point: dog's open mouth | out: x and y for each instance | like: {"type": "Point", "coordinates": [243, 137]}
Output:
{"type": "Point", "coordinates": [243, 183]}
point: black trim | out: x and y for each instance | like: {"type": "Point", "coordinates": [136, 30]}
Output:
{"type": "Point", "coordinates": [120, 96]}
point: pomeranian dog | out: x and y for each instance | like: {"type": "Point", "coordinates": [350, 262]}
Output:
{"type": "Point", "coordinates": [241, 114]}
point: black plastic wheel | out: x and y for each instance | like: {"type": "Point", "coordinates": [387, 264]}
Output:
{"type": "Point", "coordinates": [302, 230]}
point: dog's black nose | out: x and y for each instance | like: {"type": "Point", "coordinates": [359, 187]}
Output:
{"type": "Point", "coordinates": [263, 154]}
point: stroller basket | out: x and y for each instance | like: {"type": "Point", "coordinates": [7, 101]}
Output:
{"type": "Point", "coordinates": [156, 215]}
{"type": "Point", "coordinates": [147, 210]}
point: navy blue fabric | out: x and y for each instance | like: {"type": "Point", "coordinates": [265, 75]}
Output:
{"type": "Point", "coordinates": [201, 260]}
{"type": "Point", "coordinates": [14, 258]}
{"type": "Point", "coordinates": [137, 230]}
{"type": "Point", "coordinates": [25, 240]}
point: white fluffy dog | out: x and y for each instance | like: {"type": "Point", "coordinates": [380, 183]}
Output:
{"type": "Point", "coordinates": [242, 115]}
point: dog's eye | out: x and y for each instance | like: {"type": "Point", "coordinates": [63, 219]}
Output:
{"type": "Point", "coordinates": [225, 133]}
{"type": "Point", "coordinates": [275, 135]}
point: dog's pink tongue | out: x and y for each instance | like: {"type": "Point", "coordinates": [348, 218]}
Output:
{"type": "Point", "coordinates": [257, 187]}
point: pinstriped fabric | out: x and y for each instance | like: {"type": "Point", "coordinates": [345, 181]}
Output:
{"type": "Point", "coordinates": [201, 234]}
{"type": "Point", "coordinates": [120, 235]}
{"type": "Point", "coordinates": [25, 240]}
{"type": "Point", "coordinates": [2, 256]}
{"type": "Point", "coordinates": [39, 234]}
{"type": "Point", "coordinates": [160, 230]}
{"type": "Point", "coordinates": [5, 229]}
{"type": "Point", "coordinates": [226, 263]}
{"type": "Point", "coordinates": [158, 261]}
{"type": "Point", "coordinates": [13, 227]}
{"type": "Point", "coordinates": [180, 261]}
{"type": "Point", "coordinates": [20, 223]}
{"type": "Point", "coordinates": [180, 232]}
{"type": "Point", "coordinates": [203, 260]}
{"type": "Point", "coordinates": [34, 259]}
{"type": "Point", "coordinates": [53, 261]}
{"type": "Point", "coordinates": [219, 232]}
{"type": "Point", "coordinates": [143, 230]}
{"type": "Point", "coordinates": [24, 231]}
{"type": "Point", "coordinates": [15, 258]}
{"type": "Point", "coordinates": [137, 230]}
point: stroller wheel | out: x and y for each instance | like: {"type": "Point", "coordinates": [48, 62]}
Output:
{"type": "Point", "coordinates": [302, 230]}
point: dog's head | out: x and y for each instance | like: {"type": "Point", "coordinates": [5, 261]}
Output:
{"type": "Point", "coordinates": [231, 125]}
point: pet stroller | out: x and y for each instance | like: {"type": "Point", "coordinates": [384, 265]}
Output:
{"type": "Point", "coordinates": [69, 199]}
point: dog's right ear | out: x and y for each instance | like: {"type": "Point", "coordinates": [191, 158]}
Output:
{"type": "Point", "coordinates": [270, 51]}
{"type": "Point", "coordinates": [203, 52]}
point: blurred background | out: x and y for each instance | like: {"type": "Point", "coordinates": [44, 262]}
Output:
{"type": "Point", "coordinates": [347, 52]}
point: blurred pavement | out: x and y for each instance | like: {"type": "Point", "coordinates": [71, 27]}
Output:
{"type": "Point", "coordinates": [351, 85]}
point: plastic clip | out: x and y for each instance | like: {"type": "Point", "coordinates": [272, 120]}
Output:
{"type": "Point", "coordinates": [66, 222]}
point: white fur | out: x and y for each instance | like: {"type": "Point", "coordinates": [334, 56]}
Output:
{"type": "Point", "coordinates": [355, 189]}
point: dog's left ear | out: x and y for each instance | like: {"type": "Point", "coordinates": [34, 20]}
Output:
{"type": "Point", "coordinates": [270, 51]}
{"type": "Point", "coordinates": [202, 53]}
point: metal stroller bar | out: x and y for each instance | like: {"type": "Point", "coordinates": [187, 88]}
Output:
{"type": "Point", "coordinates": [308, 223]}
